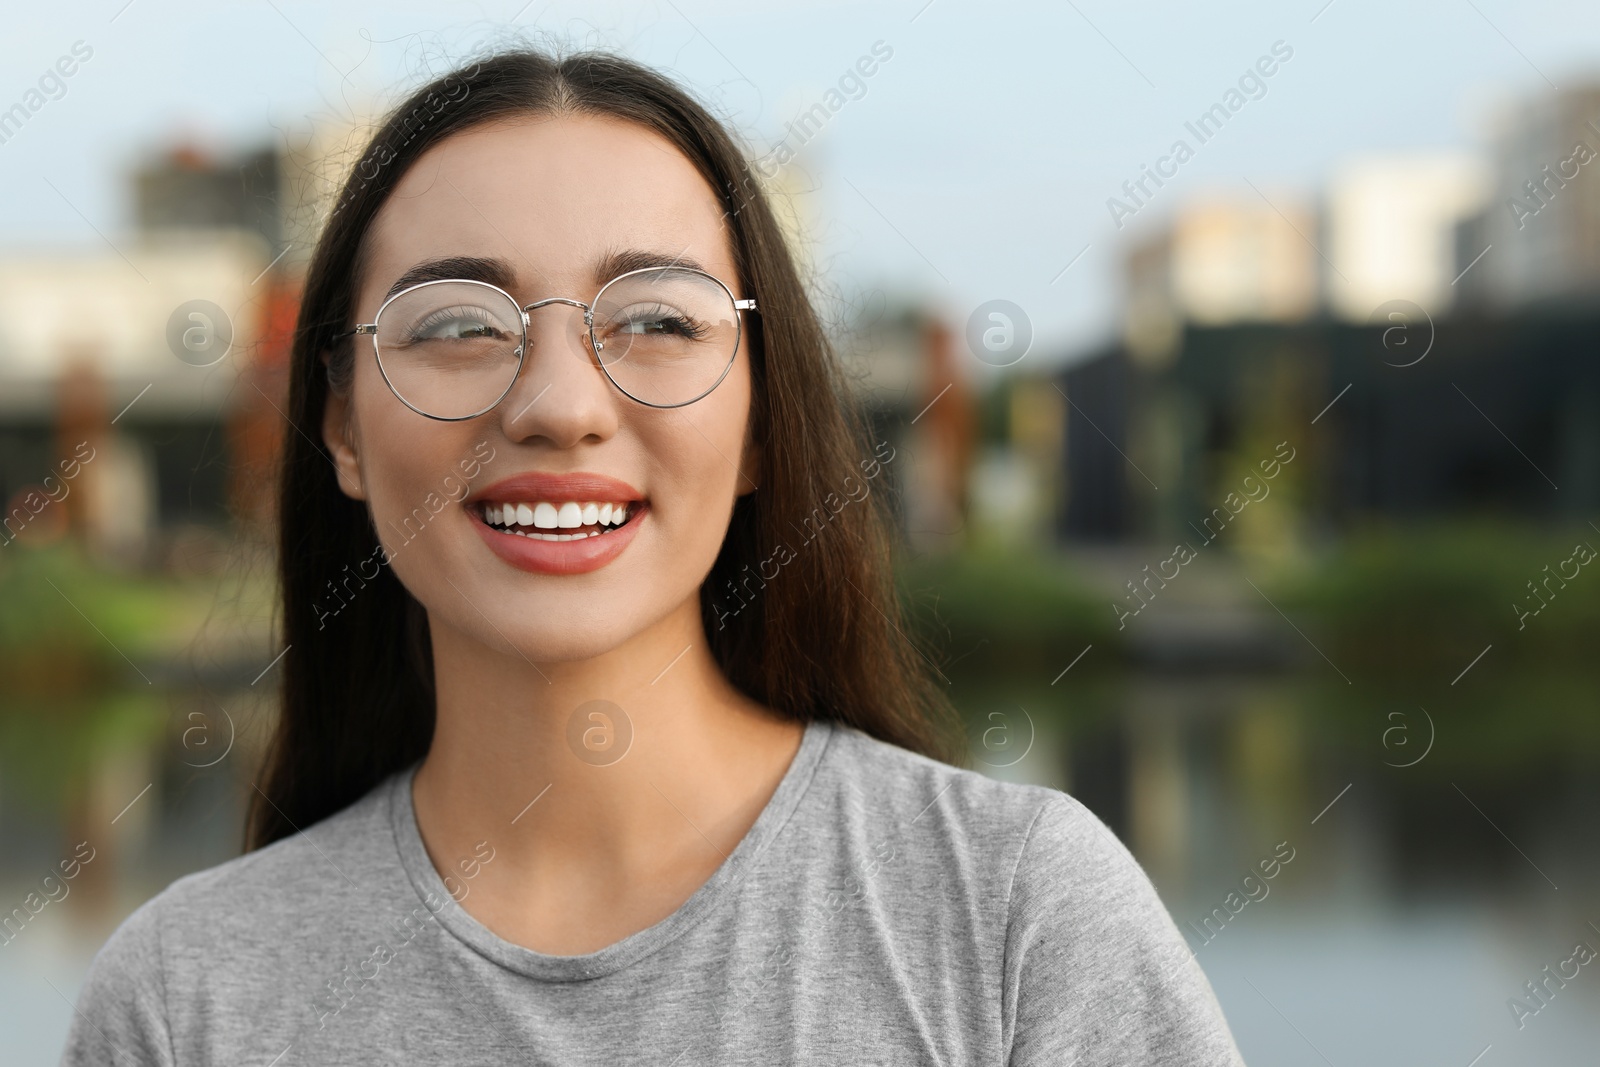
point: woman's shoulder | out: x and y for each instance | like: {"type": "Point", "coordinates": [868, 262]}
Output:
{"type": "Point", "coordinates": [328, 853]}
{"type": "Point", "coordinates": [263, 911]}
{"type": "Point", "coordinates": [1032, 849]}
{"type": "Point", "coordinates": [907, 786]}
{"type": "Point", "coordinates": [1077, 919]}
{"type": "Point", "coordinates": [243, 899]}
{"type": "Point", "coordinates": [1014, 832]}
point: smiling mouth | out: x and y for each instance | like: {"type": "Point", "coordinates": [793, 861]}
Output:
{"type": "Point", "coordinates": [546, 520]}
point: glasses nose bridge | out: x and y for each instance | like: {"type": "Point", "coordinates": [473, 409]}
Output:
{"type": "Point", "coordinates": [588, 312]}
{"type": "Point", "coordinates": [527, 328]}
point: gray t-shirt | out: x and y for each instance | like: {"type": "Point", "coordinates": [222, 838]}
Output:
{"type": "Point", "coordinates": [884, 908]}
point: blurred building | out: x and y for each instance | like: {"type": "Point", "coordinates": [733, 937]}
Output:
{"type": "Point", "coordinates": [1495, 415]}
{"type": "Point", "coordinates": [1244, 320]}
{"type": "Point", "coordinates": [1390, 223]}
{"type": "Point", "coordinates": [1017, 478]}
{"type": "Point", "coordinates": [1221, 260]}
{"type": "Point", "coordinates": [904, 369]}
{"type": "Point", "coordinates": [157, 350]}
{"type": "Point", "coordinates": [1385, 229]}
{"type": "Point", "coordinates": [188, 189]}
{"type": "Point", "coordinates": [1537, 238]}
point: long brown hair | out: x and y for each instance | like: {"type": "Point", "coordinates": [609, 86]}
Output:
{"type": "Point", "coordinates": [821, 640]}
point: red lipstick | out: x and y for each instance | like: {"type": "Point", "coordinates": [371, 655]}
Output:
{"type": "Point", "coordinates": [533, 548]}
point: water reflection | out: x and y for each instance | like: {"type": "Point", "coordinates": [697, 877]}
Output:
{"type": "Point", "coordinates": [1419, 899]}
{"type": "Point", "coordinates": [101, 807]}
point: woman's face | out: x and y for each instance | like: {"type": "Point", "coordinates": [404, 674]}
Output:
{"type": "Point", "coordinates": [553, 205]}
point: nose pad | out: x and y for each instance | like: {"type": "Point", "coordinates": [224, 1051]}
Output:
{"type": "Point", "coordinates": [574, 330]}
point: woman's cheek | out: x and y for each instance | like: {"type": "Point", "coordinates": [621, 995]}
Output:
{"type": "Point", "coordinates": [414, 513]}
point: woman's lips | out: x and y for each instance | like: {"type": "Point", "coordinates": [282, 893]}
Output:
{"type": "Point", "coordinates": [560, 557]}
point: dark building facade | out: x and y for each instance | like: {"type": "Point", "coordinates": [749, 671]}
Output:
{"type": "Point", "coordinates": [1469, 415]}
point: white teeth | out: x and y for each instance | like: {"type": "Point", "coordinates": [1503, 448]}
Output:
{"type": "Point", "coordinates": [547, 515]}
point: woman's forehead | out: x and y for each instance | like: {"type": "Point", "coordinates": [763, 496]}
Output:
{"type": "Point", "coordinates": [557, 198]}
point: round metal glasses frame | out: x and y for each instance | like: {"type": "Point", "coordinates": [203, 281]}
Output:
{"type": "Point", "coordinates": [595, 343]}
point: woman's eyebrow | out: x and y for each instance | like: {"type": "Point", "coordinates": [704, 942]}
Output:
{"type": "Point", "coordinates": [499, 272]}
{"type": "Point", "coordinates": [474, 268]}
{"type": "Point", "coordinates": [624, 260]}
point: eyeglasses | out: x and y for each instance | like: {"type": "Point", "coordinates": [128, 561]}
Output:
{"type": "Point", "coordinates": [452, 349]}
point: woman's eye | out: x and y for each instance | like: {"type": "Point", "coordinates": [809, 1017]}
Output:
{"type": "Point", "coordinates": [456, 324]}
{"type": "Point", "coordinates": [656, 322]}
{"type": "Point", "coordinates": [652, 325]}
{"type": "Point", "coordinates": [458, 329]}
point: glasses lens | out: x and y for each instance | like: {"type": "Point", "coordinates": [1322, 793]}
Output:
{"type": "Point", "coordinates": [667, 336]}
{"type": "Point", "coordinates": [450, 349]}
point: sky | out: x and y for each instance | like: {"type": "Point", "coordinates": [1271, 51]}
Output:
{"type": "Point", "coordinates": [974, 164]}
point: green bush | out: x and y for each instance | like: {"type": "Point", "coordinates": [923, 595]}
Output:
{"type": "Point", "coordinates": [1417, 598]}
{"type": "Point", "coordinates": [1002, 611]}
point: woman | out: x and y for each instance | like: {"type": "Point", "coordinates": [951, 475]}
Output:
{"type": "Point", "coordinates": [600, 739]}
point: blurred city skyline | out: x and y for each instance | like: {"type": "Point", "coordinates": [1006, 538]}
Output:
{"type": "Point", "coordinates": [948, 191]}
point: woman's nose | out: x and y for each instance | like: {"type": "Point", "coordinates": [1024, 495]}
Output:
{"type": "Point", "coordinates": [560, 393]}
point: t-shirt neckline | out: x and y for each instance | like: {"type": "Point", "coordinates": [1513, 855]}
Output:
{"type": "Point", "coordinates": [636, 946]}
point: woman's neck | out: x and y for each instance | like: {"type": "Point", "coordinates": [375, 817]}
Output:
{"type": "Point", "coordinates": [608, 789]}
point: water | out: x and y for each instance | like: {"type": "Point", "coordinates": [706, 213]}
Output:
{"type": "Point", "coordinates": [1396, 934]}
